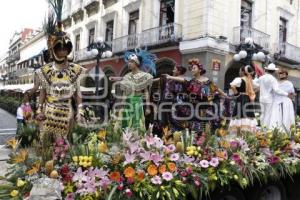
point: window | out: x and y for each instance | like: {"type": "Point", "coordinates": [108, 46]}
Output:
{"type": "Point", "coordinates": [282, 34]}
{"type": "Point", "coordinates": [133, 22]}
{"type": "Point", "coordinates": [246, 13]}
{"type": "Point", "coordinates": [166, 12]}
{"type": "Point", "coordinates": [108, 3]}
{"type": "Point", "coordinates": [282, 30]}
{"type": "Point", "coordinates": [77, 42]}
{"type": "Point", "coordinates": [109, 32]}
{"type": "Point", "coordinates": [91, 35]}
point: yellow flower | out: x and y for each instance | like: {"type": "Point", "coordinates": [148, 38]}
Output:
{"type": "Point", "coordinates": [68, 188]}
{"type": "Point", "coordinates": [75, 158]}
{"type": "Point", "coordinates": [236, 177]}
{"type": "Point", "coordinates": [101, 134]}
{"type": "Point", "coordinates": [20, 183]}
{"type": "Point", "coordinates": [90, 159]}
{"type": "Point", "coordinates": [20, 157]}
{"type": "Point", "coordinates": [102, 147]}
{"type": "Point", "coordinates": [14, 193]}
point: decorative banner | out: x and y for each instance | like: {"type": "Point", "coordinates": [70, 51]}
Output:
{"type": "Point", "coordinates": [216, 65]}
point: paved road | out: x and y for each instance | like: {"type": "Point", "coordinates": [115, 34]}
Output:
{"type": "Point", "coordinates": [7, 121]}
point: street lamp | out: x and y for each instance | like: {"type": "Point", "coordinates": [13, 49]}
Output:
{"type": "Point", "coordinates": [249, 51]}
{"type": "Point", "coordinates": [99, 49]}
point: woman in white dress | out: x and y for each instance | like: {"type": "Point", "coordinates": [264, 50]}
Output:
{"type": "Point", "coordinates": [243, 118]}
{"type": "Point", "coordinates": [283, 114]}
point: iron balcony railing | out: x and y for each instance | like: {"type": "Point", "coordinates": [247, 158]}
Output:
{"type": "Point", "coordinates": [260, 38]}
{"type": "Point", "coordinates": [290, 51]}
{"type": "Point", "coordinates": [150, 37]}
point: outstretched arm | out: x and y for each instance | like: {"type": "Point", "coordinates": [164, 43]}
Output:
{"type": "Point", "coordinates": [175, 78]}
{"type": "Point", "coordinates": [115, 78]}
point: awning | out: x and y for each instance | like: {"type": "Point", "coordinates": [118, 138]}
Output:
{"type": "Point", "coordinates": [19, 88]}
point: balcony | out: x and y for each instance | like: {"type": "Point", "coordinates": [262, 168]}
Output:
{"type": "Point", "coordinates": [260, 38]}
{"type": "Point", "coordinates": [77, 12]}
{"type": "Point", "coordinates": [159, 36]}
{"type": "Point", "coordinates": [91, 6]}
{"type": "Point", "coordinates": [290, 52]}
{"type": "Point", "coordinates": [13, 57]}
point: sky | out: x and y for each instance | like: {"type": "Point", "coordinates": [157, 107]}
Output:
{"type": "Point", "coordinates": [18, 14]}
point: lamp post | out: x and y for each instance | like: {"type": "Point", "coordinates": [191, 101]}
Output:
{"type": "Point", "coordinates": [248, 52]}
{"type": "Point", "coordinates": [99, 49]}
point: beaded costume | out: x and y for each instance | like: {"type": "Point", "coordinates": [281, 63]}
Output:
{"type": "Point", "coordinates": [60, 87]}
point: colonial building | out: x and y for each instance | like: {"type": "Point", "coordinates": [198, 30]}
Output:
{"type": "Point", "coordinates": [31, 56]}
{"type": "Point", "coordinates": [179, 29]}
{"type": "Point", "coordinates": [14, 53]}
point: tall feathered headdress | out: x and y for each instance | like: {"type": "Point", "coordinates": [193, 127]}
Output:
{"type": "Point", "coordinates": [53, 28]}
{"type": "Point", "coordinates": [143, 58]}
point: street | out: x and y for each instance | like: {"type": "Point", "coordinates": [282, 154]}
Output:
{"type": "Point", "coordinates": [7, 130]}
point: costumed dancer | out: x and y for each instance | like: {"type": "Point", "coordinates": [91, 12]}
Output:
{"type": "Point", "coordinates": [243, 117]}
{"type": "Point", "coordinates": [175, 93]}
{"type": "Point", "coordinates": [135, 85]}
{"type": "Point", "coordinates": [268, 87]}
{"type": "Point", "coordinates": [204, 95]}
{"type": "Point", "coordinates": [60, 83]}
{"type": "Point", "coordinates": [283, 113]}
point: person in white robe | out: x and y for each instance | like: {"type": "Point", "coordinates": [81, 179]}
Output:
{"type": "Point", "coordinates": [268, 86]}
{"type": "Point", "coordinates": [283, 113]}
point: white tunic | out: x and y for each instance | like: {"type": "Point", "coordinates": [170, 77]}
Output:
{"type": "Point", "coordinates": [283, 114]}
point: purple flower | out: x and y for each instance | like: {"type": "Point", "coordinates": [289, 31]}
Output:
{"type": "Point", "coordinates": [174, 157]}
{"type": "Point", "coordinates": [171, 148]}
{"type": "Point", "coordinates": [146, 156]}
{"type": "Point", "coordinates": [167, 176]}
{"type": "Point", "coordinates": [236, 157]}
{"type": "Point", "coordinates": [80, 176]}
{"type": "Point", "coordinates": [133, 146]}
{"type": "Point", "coordinates": [70, 196]}
{"type": "Point", "coordinates": [204, 163]}
{"type": "Point", "coordinates": [156, 158]}
{"type": "Point", "coordinates": [234, 144]}
{"type": "Point", "coordinates": [149, 141]}
{"type": "Point", "coordinates": [214, 162]}
{"type": "Point", "coordinates": [184, 174]}
{"type": "Point", "coordinates": [273, 160]}
{"type": "Point", "coordinates": [158, 143]}
{"type": "Point", "coordinates": [197, 181]}
{"type": "Point", "coordinates": [128, 192]}
{"type": "Point", "coordinates": [129, 158]}
{"type": "Point", "coordinates": [156, 180]}
{"type": "Point", "coordinates": [189, 170]}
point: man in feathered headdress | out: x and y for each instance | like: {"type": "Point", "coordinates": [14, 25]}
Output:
{"type": "Point", "coordinates": [59, 81]}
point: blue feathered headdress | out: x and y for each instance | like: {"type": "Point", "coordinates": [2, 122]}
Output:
{"type": "Point", "coordinates": [146, 60]}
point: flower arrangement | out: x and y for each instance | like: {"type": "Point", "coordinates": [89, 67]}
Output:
{"type": "Point", "coordinates": [137, 167]}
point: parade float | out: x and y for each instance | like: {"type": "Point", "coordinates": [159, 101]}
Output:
{"type": "Point", "coordinates": [110, 165]}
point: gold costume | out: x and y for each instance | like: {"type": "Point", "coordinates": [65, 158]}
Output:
{"type": "Point", "coordinates": [60, 85]}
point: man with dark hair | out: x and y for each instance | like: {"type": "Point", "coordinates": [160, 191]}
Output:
{"type": "Point", "coordinates": [268, 87]}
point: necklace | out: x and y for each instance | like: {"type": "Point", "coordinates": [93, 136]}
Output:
{"type": "Point", "coordinates": [60, 71]}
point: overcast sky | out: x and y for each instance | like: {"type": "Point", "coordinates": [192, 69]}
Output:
{"type": "Point", "coordinates": [18, 14]}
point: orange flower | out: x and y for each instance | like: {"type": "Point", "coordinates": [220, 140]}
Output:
{"type": "Point", "coordinates": [152, 170]}
{"type": "Point", "coordinates": [224, 144]}
{"type": "Point", "coordinates": [115, 176]}
{"type": "Point", "coordinates": [172, 166]}
{"type": "Point", "coordinates": [129, 172]}
{"type": "Point", "coordinates": [101, 134]}
{"type": "Point", "coordinates": [35, 168]}
{"type": "Point", "coordinates": [13, 143]}
{"type": "Point", "coordinates": [162, 169]}
{"type": "Point", "coordinates": [221, 154]}
{"type": "Point", "coordinates": [141, 175]}
{"type": "Point", "coordinates": [222, 132]}
{"type": "Point", "coordinates": [263, 143]}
